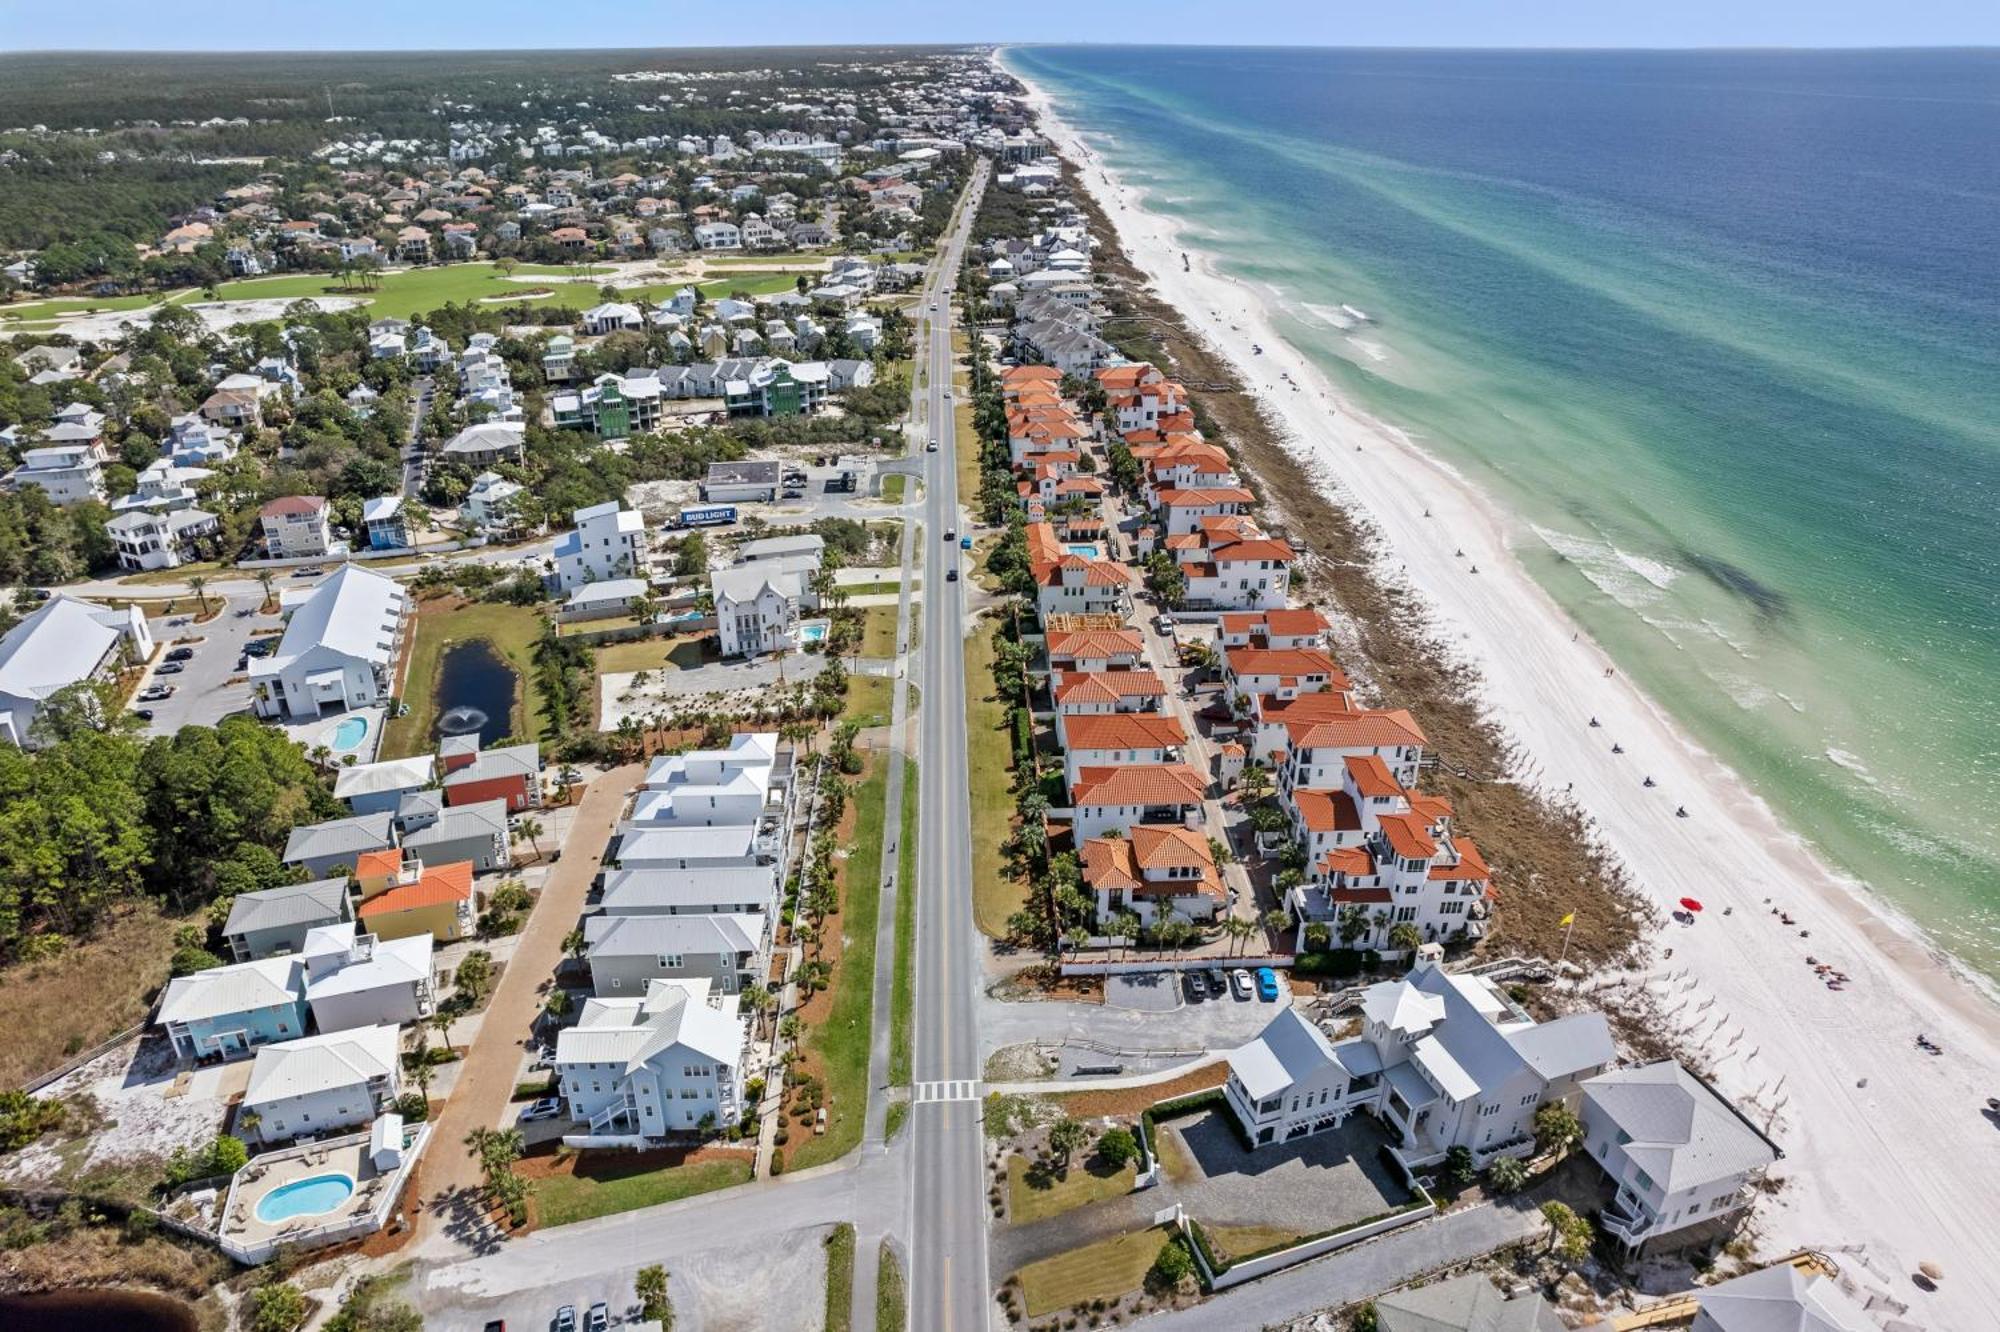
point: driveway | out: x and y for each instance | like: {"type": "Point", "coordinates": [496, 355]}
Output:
{"type": "Point", "coordinates": [203, 692]}
{"type": "Point", "coordinates": [1308, 1185]}
{"type": "Point", "coordinates": [451, 1178]}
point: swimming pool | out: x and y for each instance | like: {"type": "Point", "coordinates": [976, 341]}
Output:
{"type": "Point", "coordinates": [812, 633]}
{"type": "Point", "coordinates": [1088, 552]}
{"type": "Point", "coordinates": [347, 735]}
{"type": "Point", "coordinates": [305, 1197]}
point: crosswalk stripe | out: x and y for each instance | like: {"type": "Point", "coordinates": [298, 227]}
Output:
{"type": "Point", "coordinates": [958, 1089]}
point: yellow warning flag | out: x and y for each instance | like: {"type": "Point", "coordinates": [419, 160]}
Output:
{"type": "Point", "coordinates": [1570, 919]}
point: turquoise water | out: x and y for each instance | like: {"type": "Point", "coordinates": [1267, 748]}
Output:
{"type": "Point", "coordinates": [305, 1197]}
{"type": "Point", "coordinates": [812, 633]}
{"type": "Point", "coordinates": [1723, 328]}
{"type": "Point", "coordinates": [347, 735]}
{"type": "Point", "coordinates": [1088, 552]}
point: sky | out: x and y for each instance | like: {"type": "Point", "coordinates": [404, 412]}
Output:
{"type": "Point", "coordinates": [148, 25]}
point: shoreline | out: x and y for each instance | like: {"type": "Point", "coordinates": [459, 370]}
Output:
{"type": "Point", "coordinates": [1866, 1120]}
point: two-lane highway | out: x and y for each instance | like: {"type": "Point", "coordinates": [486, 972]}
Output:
{"type": "Point", "coordinates": [949, 1285]}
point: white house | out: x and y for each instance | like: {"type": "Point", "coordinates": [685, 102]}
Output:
{"type": "Point", "coordinates": [679, 846]}
{"type": "Point", "coordinates": [367, 788]}
{"type": "Point", "coordinates": [357, 980]}
{"type": "Point", "coordinates": [612, 317]}
{"type": "Point", "coordinates": [1442, 1060]}
{"type": "Point", "coordinates": [295, 527]}
{"type": "Point", "coordinates": [321, 1083]}
{"type": "Point", "coordinates": [609, 542]}
{"type": "Point", "coordinates": [648, 1067]}
{"type": "Point", "coordinates": [1156, 873]}
{"type": "Point", "coordinates": [146, 539]}
{"type": "Point", "coordinates": [740, 890]}
{"type": "Point", "coordinates": [66, 473]}
{"type": "Point", "coordinates": [713, 787]}
{"type": "Point", "coordinates": [1119, 799]}
{"type": "Point", "coordinates": [489, 503]}
{"type": "Point", "coordinates": [719, 236]}
{"type": "Point", "coordinates": [1678, 1153]}
{"type": "Point", "coordinates": [1782, 1298]}
{"type": "Point", "coordinates": [628, 953]}
{"type": "Point", "coordinates": [338, 651]}
{"type": "Point", "coordinates": [757, 605]}
{"type": "Point", "coordinates": [487, 443]}
{"type": "Point", "coordinates": [60, 643]}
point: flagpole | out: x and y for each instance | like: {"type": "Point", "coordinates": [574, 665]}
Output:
{"type": "Point", "coordinates": [1568, 929]}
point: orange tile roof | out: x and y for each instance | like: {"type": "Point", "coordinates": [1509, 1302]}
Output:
{"type": "Point", "coordinates": [1267, 548]}
{"type": "Point", "coordinates": [1140, 784]}
{"type": "Point", "coordinates": [1207, 495]}
{"type": "Point", "coordinates": [1297, 620]}
{"type": "Point", "coordinates": [1108, 863]}
{"type": "Point", "coordinates": [444, 883]}
{"type": "Point", "coordinates": [1471, 865]}
{"type": "Point", "coordinates": [1408, 837]}
{"type": "Point", "coordinates": [1305, 708]}
{"type": "Point", "coordinates": [1371, 776]}
{"type": "Point", "coordinates": [1360, 730]}
{"type": "Point", "coordinates": [1022, 374]}
{"type": "Point", "coordinates": [1095, 642]}
{"type": "Point", "coordinates": [1248, 661]}
{"type": "Point", "coordinates": [1124, 730]}
{"type": "Point", "coordinates": [1326, 811]}
{"type": "Point", "coordinates": [1353, 861]}
{"type": "Point", "coordinates": [1109, 687]}
{"type": "Point", "coordinates": [1430, 808]}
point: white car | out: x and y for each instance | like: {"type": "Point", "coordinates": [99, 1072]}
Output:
{"type": "Point", "coordinates": [1239, 983]}
{"type": "Point", "coordinates": [546, 1108]}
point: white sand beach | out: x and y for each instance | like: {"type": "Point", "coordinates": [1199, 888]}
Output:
{"type": "Point", "coordinates": [1887, 1148]}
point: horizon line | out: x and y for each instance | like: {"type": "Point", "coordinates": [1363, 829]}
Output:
{"type": "Point", "coordinates": [986, 43]}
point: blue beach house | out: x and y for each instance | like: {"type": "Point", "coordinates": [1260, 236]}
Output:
{"type": "Point", "coordinates": [226, 1012]}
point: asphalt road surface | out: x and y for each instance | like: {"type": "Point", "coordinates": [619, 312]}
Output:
{"type": "Point", "coordinates": [949, 1284]}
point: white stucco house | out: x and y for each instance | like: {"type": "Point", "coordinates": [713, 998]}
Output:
{"type": "Point", "coordinates": [339, 648]}
{"type": "Point", "coordinates": [648, 1067]}
{"type": "Point", "coordinates": [357, 980]}
{"type": "Point", "coordinates": [320, 1083]}
{"type": "Point", "coordinates": [757, 605]}
{"type": "Point", "coordinates": [739, 784]}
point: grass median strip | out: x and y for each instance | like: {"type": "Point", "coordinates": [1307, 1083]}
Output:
{"type": "Point", "coordinates": [902, 991]}
{"type": "Point", "coordinates": [996, 892]}
{"type": "Point", "coordinates": [840, 1278]}
{"type": "Point", "coordinates": [892, 1313]}
{"type": "Point", "coordinates": [840, 1041]}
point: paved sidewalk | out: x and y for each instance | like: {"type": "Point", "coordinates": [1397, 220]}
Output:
{"type": "Point", "coordinates": [453, 1211]}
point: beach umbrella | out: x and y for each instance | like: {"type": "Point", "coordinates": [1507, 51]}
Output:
{"type": "Point", "coordinates": [1690, 904]}
{"type": "Point", "coordinates": [1931, 1270]}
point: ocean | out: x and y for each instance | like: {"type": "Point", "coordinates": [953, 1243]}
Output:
{"type": "Point", "coordinates": [1721, 328]}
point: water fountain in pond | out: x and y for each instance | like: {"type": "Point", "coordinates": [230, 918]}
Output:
{"type": "Point", "coordinates": [461, 721]}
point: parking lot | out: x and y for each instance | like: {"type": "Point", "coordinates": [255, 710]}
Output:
{"type": "Point", "coordinates": [1306, 1186]}
{"type": "Point", "coordinates": [208, 687]}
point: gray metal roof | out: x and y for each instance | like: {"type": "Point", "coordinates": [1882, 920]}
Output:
{"type": "Point", "coordinates": [484, 818]}
{"type": "Point", "coordinates": [1682, 1133]}
{"type": "Point", "coordinates": [317, 903]}
{"type": "Point", "coordinates": [1464, 1304]}
{"type": "Point", "coordinates": [1780, 1299]}
{"type": "Point", "coordinates": [639, 936]}
{"type": "Point", "coordinates": [339, 837]}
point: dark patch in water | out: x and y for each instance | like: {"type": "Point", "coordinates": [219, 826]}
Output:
{"type": "Point", "coordinates": [97, 1310]}
{"type": "Point", "coordinates": [475, 692]}
{"type": "Point", "coordinates": [1769, 603]}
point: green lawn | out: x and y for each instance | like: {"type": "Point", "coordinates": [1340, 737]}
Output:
{"type": "Point", "coordinates": [892, 1123]}
{"type": "Point", "coordinates": [840, 1278]}
{"type": "Point", "coordinates": [868, 700]}
{"type": "Point", "coordinates": [1101, 1271]}
{"type": "Point", "coordinates": [892, 1312]}
{"type": "Point", "coordinates": [892, 487]}
{"type": "Point", "coordinates": [996, 894]}
{"type": "Point", "coordinates": [562, 1199]}
{"type": "Point", "coordinates": [841, 1041]}
{"type": "Point", "coordinates": [149, 577]}
{"type": "Point", "coordinates": [1034, 1197]}
{"type": "Point", "coordinates": [902, 990]}
{"type": "Point", "coordinates": [48, 309]}
{"type": "Point", "coordinates": [512, 630]}
{"type": "Point", "coordinates": [879, 588]}
{"type": "Point", "coordinates": [649, 654]}
{"type": "Point", "coordinates": [878, 632]}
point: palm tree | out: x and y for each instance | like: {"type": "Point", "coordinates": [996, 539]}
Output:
{"type": "Point", "coordinates": [1238, 929]}
{"type": "Point", "coordinates": [532, 830]}
{"type": "Point", "coordinates": [265, 579]}
{"type": "Point", "coordinates": [200, 584]}
{"type": "Point", "coordinates": [1275, 920]}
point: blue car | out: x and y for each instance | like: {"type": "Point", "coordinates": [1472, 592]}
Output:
{"type": "Point", "coordinates": [1267, 985]}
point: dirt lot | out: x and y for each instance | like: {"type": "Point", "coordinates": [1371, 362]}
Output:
{"type": "Point", "coordinates": [93, 990]}
{"type": "Point", "coordinates": [1132, 1100]}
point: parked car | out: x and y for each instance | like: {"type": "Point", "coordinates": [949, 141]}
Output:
{"type": "Point", "coordinates": [598, 1319]}
{"type": "Point", "coordinates": [546, 1108]}
{"type": "Point", "coordinates": [1239, 981]}
{"type": "Point", "coordinates": [154, 693]}
{"type": "Point", "coordinates": [305, 573]}
{"type": "Point", "coordinates": [566, 1318]}
{"type": "Point", "coordinates": [170, 668]}
{"type": "Point", "coordinates": [965, 543]}
{"type": "Point", "coordinates": [1217, 986]}
{"type": "Point", "coordinates": [143, 714]}
{"type": "Point", "coordinates": [181, 654]}
{"type": "Point", "coordinates": [1267, 985]}
{"type": "Point", "coordinates": [1194, 985]}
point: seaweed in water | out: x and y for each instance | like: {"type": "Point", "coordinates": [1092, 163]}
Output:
{"type": "Point", "coordinates": [1769, 603]}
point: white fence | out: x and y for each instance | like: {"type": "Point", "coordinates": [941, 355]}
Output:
{"type": "Point", "coordinates": [252, 1252]}
{"type": "Point", "coordinates": [1263, 1265]}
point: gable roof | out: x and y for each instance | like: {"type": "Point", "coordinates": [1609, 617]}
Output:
{"type": "Point", "coordinates": [319, 902]}
{"type": "Point", "coordinates": [642, 936]}
{"type": "Point", "coordinates": [1471, 1303]}
{"type": "Point", "coordinates": [338, 837]}
{"type": "Point", "coordinates": [632, 1031]}
{"type": "Point", "coordinates": [56, 646]}
{"type": "Point", "coordinates": [1781, 1299]}
{"type": "Point", "coordinates": [355, 612]}
{"type": "Point", "coordinates": [1124, 730]}
{"type": "Point", "coordinates": [434, 886]}
{"type": "Point", "coordinates": [322, 1063]}
{"type": "Point", "coordinates": [220, 991]}
{"type": "Point", "coordinates": [1140, 784]}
